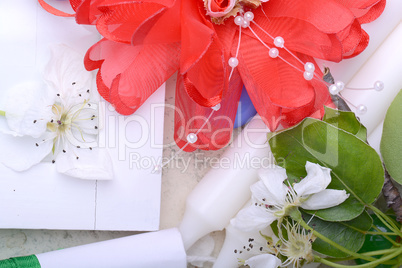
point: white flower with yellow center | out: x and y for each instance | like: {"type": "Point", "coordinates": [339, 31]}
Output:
{"type": "Point", "coordinates": [57, 122]}
{"type": "Point", "coordinates": [273, 200]}
{"type": "Point", "coordinates": [297, 247]}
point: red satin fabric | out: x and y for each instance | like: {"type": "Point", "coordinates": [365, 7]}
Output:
{"type": "Point", "coordinates": [55, 11]}
{"type": "Point", "coordinates": [189, 118]}
{"type": "Point", "coordinates": [146, 41]}
{"type": "Point", "coordinates": [118, 66]}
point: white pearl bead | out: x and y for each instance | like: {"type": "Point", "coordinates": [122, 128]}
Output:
{"type": "Point", "coordinates": [157, 169]}
{"type": "Point", "coordinates": [273, 52]}
{"type": "Point", "coordinates": [279, 42]}
{"type": "Point", "coordinates": [333, 89]}
{"type": "Point", "coordinates": [245, 23]}
{"type": "Point", "coordinates": [233, 62]}
{"type": "Point", "coordinates": [308, 76]}
{"type": "Point", "coordinates": [361, 109]}
{"type": "Point", "coordinates": [340, 85]}
{"type": "Point", "coordinates": [238, 20]}
{"type": "Point", "coordinates": [216, 107]}
{"type": "Point", "coordinates": [249, 16]}
{"type": "Point", "coordinates": [309, 67]}
{"type": "Point", "coordinates": [379, 85]}
{"type": "Point", "coordinates": [192, 138]}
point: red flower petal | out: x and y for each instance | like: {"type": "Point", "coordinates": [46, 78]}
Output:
{"type": "Point", "coordinates": [300, 36]}
{"type": "Point", "coordinates": [132, 73]}
{"type": "Point", "coordinates": [117, 22]}
{"type": "Point", "coordinates": [190, 117]}
{"type": "Point", "coordinates": [327, 16]}
{"type": "Point", "coordinates": [87, 11]}
{"type": "Point", "coordinates": [76, 3]}
{"type": "Point", "coordinates": [354, 40]}
{"type": "Point", "coordinates": [365, 10]}
{"type": "Point", "coordinates": [364, 41]}
{"type": "Point", "coordinates": [278, 91]}
{"type": "Point", "coordinates": [226, 34]}
{"type": "Point", "coordinates": [373, 13]}
{"type": "Point", "coordinates": [197, 35]}
{"type": "Point", "coordinates": [321, 98]}
{"type": "Point", "coordinates": [162, 27]}
{"type": "Point", "coordinates": [203, 63]}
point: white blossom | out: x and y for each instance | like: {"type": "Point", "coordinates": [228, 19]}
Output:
{"type": "Point", "coordinates": [273, 200]}
{"type": "Point", "coordinates": [297, 247]}
{"type": "Point", "coordinates": [57, 122]}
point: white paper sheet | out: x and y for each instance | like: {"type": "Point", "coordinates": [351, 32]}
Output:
{"type": "Point", "coordinates": [40, 198]}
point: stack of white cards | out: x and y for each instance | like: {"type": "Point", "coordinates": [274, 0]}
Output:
{"type": "Point", "coordinates": [41, 198]}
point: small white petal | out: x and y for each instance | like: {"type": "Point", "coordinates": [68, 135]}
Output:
{"type": "Point", "coordinates": [28, 108]}
{"type": "Point", "coordinates": [79, 138]}
{"type": "Point", "coordinates": [21, 153]}
{"type": "Point", "coordinates": [65, 74]}
{"type": "Point", "coordinates": [5, 129]}
{"type": "Point", "coordinates": [94, 164]}
{"type": "Point", "coordinates": [275, 189]}
{"type": "Point", "coordinates": [263, 261]}
{"type": "Point", "coordinates": [259, 191]}
{"type": "Point", "coordinates": [325, 199]}
{"type": "Point", "coordinates": [317, 179]}
{"type": "Point", "coordinates": [236, 240]}
{"type": "Point", "coordinates": [87, 121]}
{"type": "Point", "coordinates": [252, 218]}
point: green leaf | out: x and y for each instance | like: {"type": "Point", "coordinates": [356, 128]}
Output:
{"type": "Point", "coordinates": [274, 227]}
{"type": "Point", "coordinates": [349, 234]}
{"type": "Point", "coordinates": [391, 141]}
{"type": "Point", "coordinates": [356, 167]}
{"type": "Point", "coordinates": [376, 242]}
{"type": "Point", "coordinates": [346, 121]}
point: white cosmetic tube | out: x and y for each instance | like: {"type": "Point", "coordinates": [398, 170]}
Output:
{"type": "Point", "coordinates": [226, 188]}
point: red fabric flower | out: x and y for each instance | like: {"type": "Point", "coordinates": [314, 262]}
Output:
{"type": "Point", "coordinates": [147, 41]}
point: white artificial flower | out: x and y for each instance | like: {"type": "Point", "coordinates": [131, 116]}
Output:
{"type": "Point", "coordinates": [263, 261]}
{"type": "Point", "coordinates": [273, 199]}
{"type": "Point", "coordinates": [57, 122]}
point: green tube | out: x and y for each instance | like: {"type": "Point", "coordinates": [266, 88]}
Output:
{"type": "Point", "coordinates": [21, 262]}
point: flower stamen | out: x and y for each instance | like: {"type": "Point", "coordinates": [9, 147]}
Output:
{"type": "Point", "coordinates": [298, 245]}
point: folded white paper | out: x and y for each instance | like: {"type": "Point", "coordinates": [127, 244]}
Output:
{"type": "Point", "coordinates": [41, 198]}
{"type": "Point", "coordinates": [156, 249]}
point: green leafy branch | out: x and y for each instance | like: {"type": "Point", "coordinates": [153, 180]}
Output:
{"type": "Point", "coordinates": [339, 143]}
